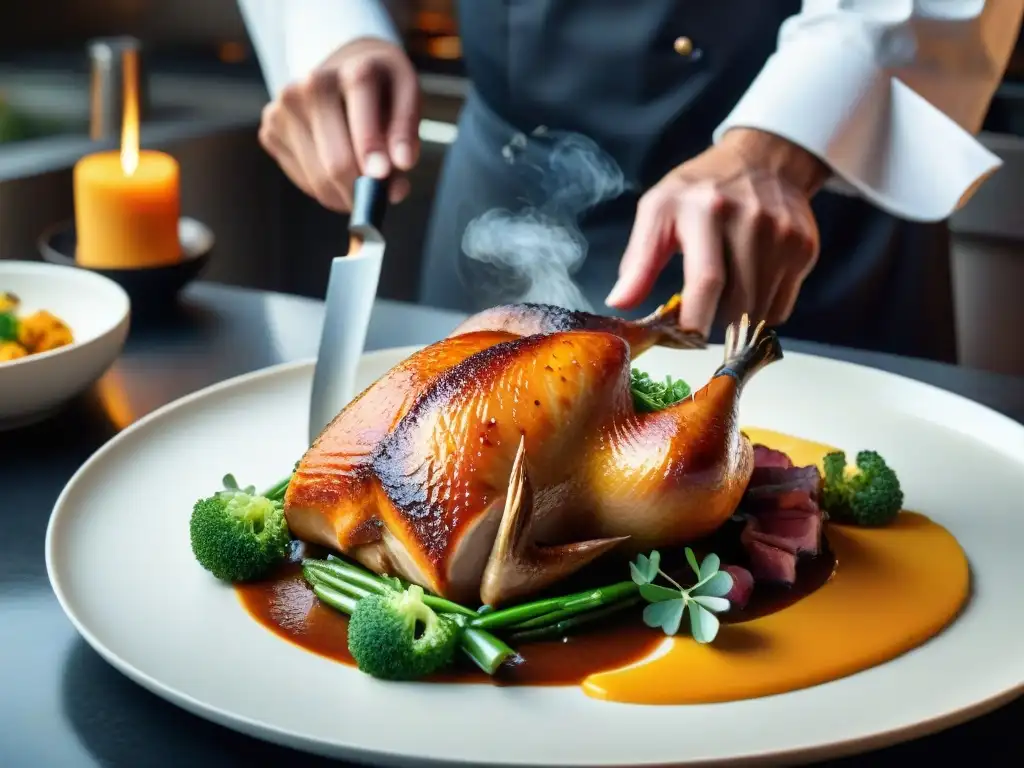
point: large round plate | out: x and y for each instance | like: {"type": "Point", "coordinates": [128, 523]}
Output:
{"type": "Point", "coordinates": [118, 557]}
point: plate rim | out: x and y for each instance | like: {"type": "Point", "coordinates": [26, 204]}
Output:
{"type": "Point", "coordinates": [269, 732]}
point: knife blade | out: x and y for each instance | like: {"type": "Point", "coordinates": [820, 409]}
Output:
{"type": "Point", "coordinates": [351, 291]}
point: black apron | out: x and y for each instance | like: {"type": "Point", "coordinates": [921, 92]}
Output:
{"type": "Point", "coordinates": [609, 70]}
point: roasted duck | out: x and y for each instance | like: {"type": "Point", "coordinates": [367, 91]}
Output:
{"type": "Point", "coordinates": [658, 329]}
{"type": "Point", "coordinates": [509, 455]}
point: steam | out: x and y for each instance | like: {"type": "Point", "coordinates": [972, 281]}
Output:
{"type": "Point", "coordinates": [536, 250]}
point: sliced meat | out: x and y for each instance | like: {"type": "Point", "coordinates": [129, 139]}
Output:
{"type": "Point", "coordinates": [783, 519]}
{"type": "Point", "coordinates": [775, 538]}
{"type": "Point", "coordinates": [769, 457]}
{"type": "Point", "coordinates": [772, 481]}
{"type": "Point", "coordinates": [793, 530]}
{"type": "Point", "coordinates": [770, 563]}
{"type": "Point", "coordinates": [742, 586]}
{"type": "Point", "coordinates": [799, 528]}
{"type": "Point", "coordinates": [767, 498]}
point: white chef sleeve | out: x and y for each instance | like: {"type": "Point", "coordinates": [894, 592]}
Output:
{"type": "Point", "coordinates": [292, 37]}
{"type": "Point", "coordinates": [889, 94]}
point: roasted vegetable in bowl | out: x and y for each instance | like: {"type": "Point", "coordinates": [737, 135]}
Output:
{"type": "Point", "coordinates": [23, 335]}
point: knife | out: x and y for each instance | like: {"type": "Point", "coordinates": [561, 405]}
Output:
{"type": "Point", "coordinates": [351, 290]}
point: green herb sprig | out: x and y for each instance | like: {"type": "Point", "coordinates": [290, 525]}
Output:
{"type": "Point", "coordinates": [667, 605]}
{"type": "Point", "coordinates": [650, 395]}
{"type": "Point", "coordinates": [8, 326]}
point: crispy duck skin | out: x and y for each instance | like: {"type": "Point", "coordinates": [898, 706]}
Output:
{"type": "Point", "coordinates": [330, 499]}
{"type": "Point", "coordinates": [660, 328]}
{"type": "Point", "coordinates": [493, 464]}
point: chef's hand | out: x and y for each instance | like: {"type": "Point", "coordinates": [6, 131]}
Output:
{"type": "Point", "coordinates": [740, 215]}
{"type": "Point", "coordinates": [356, 114]}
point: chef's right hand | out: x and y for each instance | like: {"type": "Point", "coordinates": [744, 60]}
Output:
{"type": "Point", "coordinates": [356, 114]}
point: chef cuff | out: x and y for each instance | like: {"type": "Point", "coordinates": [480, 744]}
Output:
{"type": "Point", "coordinates": [314, 29]}
{"type": "Point", "coordinates": [829, 95]}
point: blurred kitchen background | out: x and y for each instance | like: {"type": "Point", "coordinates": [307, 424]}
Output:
{"type": "Point", "coordinates": [205, 93]}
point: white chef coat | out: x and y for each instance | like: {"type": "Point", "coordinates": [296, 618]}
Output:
{"type": "Point", "coordinates": [888, 93]}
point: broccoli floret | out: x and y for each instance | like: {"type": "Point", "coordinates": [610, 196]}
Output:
{"type": "Point", "coordinates": [238, 535]}
{"type": "Point", "coordinates": [397, 636]}
{"type": "Point", "coordinates": [870, 497]}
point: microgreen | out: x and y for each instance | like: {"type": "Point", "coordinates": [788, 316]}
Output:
{"type": "Point", "coordinates": [668, 605]}
{"type": "Point", "coordinates": [650, 395]}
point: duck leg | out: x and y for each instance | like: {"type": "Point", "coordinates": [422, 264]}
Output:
{"type": "Point", "coordinates": [675, 475]}
{"type": "Point", "coordinates": [660, 328]}
{"type": "Point", "coordinates": [518, 566]}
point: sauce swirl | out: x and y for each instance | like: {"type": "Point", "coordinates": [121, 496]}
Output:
{"type": "Point", "coordinates": [871, 596]}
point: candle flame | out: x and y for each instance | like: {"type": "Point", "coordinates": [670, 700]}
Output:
{"type": "Point", "coordinates": [130, 121]}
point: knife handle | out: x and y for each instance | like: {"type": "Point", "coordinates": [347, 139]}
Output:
{"type": "Point", "coordinates": [369, 204]}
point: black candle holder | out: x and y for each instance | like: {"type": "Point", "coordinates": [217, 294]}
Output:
{"type": "Point", "coordinates": [150, 288]}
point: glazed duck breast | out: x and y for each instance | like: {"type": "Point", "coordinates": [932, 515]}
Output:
{"type": "Point", "coordinates": [500, 460]}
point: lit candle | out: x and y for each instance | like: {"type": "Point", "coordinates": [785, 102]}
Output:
{"type": "Point", "coordinates": [127, 203]}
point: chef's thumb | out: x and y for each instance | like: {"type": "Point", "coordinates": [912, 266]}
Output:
{"type": "Point", "coordinates": [404, 124]}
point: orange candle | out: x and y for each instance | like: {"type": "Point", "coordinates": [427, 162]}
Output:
{"type": "Point", "coordinates": [124, 219]}
{"type": "Point", "coordinates": [127, 203]}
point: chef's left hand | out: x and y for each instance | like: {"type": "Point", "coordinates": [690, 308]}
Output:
{"type": "Point", "coordinates": [740, 214]}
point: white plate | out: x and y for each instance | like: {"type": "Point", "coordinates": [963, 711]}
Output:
{"type": "Point", "coordinates": [118, 557]}
{"type": "Point", "coordinates": [96, 310]}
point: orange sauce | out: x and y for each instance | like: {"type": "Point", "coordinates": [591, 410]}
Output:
{"type": "Point", "coordinates": [881, 593]}
{"type": "Point", "coordinates": [893, 589]}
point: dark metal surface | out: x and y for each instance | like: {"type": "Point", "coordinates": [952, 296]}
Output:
{"type": "Point", "coordinates": [61, 705]}
{"type": "Point", "coordinates": [108, 57]}
{"type": "Point", "coordinates": [369, 206]}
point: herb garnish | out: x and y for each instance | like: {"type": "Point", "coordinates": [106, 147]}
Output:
{"type": "Point", "coordinates": [668, 605]}
{"type": "Point", "coordinates": [650, 395]}
{"type": "Point", "coordinates": [8, 326]}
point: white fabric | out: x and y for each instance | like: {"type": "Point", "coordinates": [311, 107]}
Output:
{"type": "Point", "coordinates": [888, 93]}
{"type": "Point", "coordinates": [293, 37]}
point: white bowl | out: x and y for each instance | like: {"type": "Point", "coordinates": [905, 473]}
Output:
{"type": "Point", "coordinates": [97, 311]}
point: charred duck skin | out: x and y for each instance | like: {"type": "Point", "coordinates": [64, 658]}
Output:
{"type": "Point", "coordinates": [335, 473]}
{"type": "Point", "coordinates": [493, 464]}
{"type": "Point", "coordinates": [332, 498]}
{"type": "Point", "coordinates": [660, 328]}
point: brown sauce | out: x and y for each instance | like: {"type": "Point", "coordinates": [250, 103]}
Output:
{"type": "Point", "coordinates": [811, 575]}
{"type": "Point", "coordinates": [286, 606]}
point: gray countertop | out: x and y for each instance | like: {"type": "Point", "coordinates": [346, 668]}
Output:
{"type": "Point", "coordinates": [62, 705]}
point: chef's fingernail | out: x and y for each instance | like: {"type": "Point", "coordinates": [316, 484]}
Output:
{"type": "Point", "coordinates": [402, 153]}
{"type": "Point", "coordinates": [376, 165]}
{"type": "Point", "coordinates": [616, 295]}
